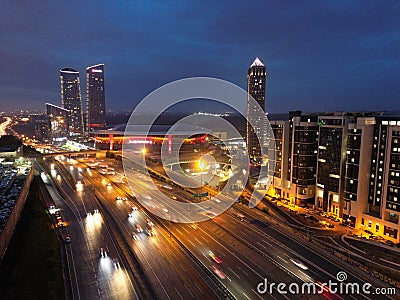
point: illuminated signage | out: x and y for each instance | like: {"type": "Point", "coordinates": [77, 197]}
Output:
{"type": "Point", "coordinates": [97, 71]}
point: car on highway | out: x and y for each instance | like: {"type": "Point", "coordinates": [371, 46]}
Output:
{"type": "Point", "coordinates": [149, 230]}
{"type": "Point", "coordinates": [130, 215]}
{"type": "Point", "coordinates": [67, 239]}
{"type": "Point", "coordinates": [218, 272]}
{"type": "Point", "coordinates": [108, 184]}
{"type": "Point", "coordinates": [124, 199]}
{"type": "Point", "coordinates": [134, 208]}
{"type": "Point", "coordinates": [116, 263]}
{"type": "Point", "coordinates": [214, 257]}
{"type": "Point", "coordinates": [118, 198]}
{"type": "Point", "coordinates": [174, 197]}
{"type": "Point", "coordinates": [138, 228]}
{"type": "Point", "coordinates": [299, 263]}
{"type": "Point", "coordinates": [239, 216]}
{"type": "Point", "coordinates": [103, 252]}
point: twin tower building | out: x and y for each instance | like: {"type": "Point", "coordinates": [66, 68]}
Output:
{"type": "Point", "coordinates": [68, 121]}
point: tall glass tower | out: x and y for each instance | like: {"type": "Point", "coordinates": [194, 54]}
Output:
{"type": "Point", "coordinates": [71, 100]}
{"type": "Point", "coordinates": [95, 98]}
{"type": "Point", "coordinates": [256, 82]}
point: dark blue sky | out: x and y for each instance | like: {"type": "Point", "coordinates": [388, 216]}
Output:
{"type": "Point", "coordinates": [320, 55]}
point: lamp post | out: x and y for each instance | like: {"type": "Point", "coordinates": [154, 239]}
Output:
{"type": "Point", "coordinates": [201, 165]}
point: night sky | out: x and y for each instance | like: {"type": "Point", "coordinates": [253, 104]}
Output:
{"type": "Point", "coordinates": [320, 55]}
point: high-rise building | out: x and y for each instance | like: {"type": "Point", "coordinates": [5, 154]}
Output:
{"type": "Point", "coordinates": [303, 159]}
{"type": "Point", "coordinates": [58, 118]}
{"type": "Point", "coordinates": [357, 169]}
{"type": "Point", "coordinates": [346, 164]}
{"type": "Point", "coordinates": [371, 199]}
{"type": "Point", "coordinates": [383, 212]}
{"type": "Point", "coordinates": [95, 98]}
{"type": "Point", "coordinates": [296, 144]}
{"type": "Point", "coordinates": [256, 84]}
{"type": "Point", "coordinates": [332, 140]}
{"type": "Point", "coordinates": [71, 100]}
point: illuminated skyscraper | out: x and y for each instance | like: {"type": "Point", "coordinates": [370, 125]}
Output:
{"type": "Point", "coordinates": [71, 100]}
{"type": "Point", "coordinates": [57, 123]}
{"type": "Point", "coordinates": [95, 98]}
{"type": "Point", "coordinates": [256, 82]}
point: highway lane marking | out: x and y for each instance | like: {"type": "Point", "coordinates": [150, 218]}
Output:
{"type": "Point", "coordinates": [164, 272]}
{"type": "Point", "coordinates": [178, 293]}
{"type": "Point", "coordinates": [189, 291]}
{"type": "Point", "coordinates": [204, 239]}
{"type": "Point", "coordinates": [234, 273]}
{"type": "Point", "coordinates": [191, 243]}
{"type": "Point", "coordinates": [258, 295]}
{"type": "Point", "coordinates": [173, 269]}
{"type": "Point", "coordinates": [282, 259]}
{"type": "Point", "coordinates": [258, 243]}
{"type": "Point", "coordinates": [184, 270]}
{"type": "Point", "coordinates": [178, 231]}
{"type": "Point", "coordinates": [246, 296]}
{"type": "Point", "coordinates": [201, 290]}
{"type": "Point", "coordinates": [305, 246]}
{"type": "Point", "coordinates": [197, 240]}
{"type": "Point", "coordinates": [291, 251]}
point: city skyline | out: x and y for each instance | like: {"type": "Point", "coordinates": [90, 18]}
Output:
{"type": "Point", "coordinates": [334, 57]}
{"type": "Point", "coordinates": [199, 150]}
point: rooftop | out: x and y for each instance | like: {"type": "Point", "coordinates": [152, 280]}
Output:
{"type": "Point", "coordinates": [257, 63]}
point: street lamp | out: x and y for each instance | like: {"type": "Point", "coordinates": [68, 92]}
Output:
{"type": "Point", "coordinates": [201, 166]}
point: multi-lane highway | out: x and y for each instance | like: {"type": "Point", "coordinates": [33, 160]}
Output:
{"type": "Point", "coordinates": [171, 272]}
{"type": "Point", "coordinates": [92, 276]}
{"type": "Point", "coordinates": [271, 254]}
{"type": "Point", "coordinates": [242, 267]}
{"type": "Point", "coordinates": [238, 252]}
